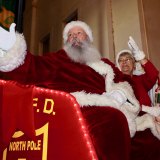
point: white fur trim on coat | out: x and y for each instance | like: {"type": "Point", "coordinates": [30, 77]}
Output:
{"type": "Point", "coordinates": [130, 116]}
{"type": "Point", "coordinates": [15, 56]}
{"type": "Point", "coordinates": [88, 99]}
{"type": "Point", "coordinates": [105, 70]}
{"type": "Point", "coordinates": [148, 121]}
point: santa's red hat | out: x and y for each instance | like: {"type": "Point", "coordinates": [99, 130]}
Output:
{"type": "Point", "coordinates": [81, 24]}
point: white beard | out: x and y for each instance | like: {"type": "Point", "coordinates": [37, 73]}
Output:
{"type": "Point", "coordinates": [84, 53]}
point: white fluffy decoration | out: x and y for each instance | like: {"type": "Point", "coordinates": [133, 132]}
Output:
{"type": "Point", "coordinates": [81, 24]}
{"type": "Point", "coordinates": [14, 57]}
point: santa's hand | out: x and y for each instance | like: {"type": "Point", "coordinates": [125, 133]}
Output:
{"type": "Point", "coordinates": [7, 38]}
{"type": "Point", "coordinates": [137, 53]}
{"type": "Point", "coordinates": [154, 111]}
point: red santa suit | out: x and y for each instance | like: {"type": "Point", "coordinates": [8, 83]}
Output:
{"type": "Point", "coordinates": [108, 126]}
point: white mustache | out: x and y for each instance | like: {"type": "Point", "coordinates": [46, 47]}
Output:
{"type": "Point", "coordinates": [76, 41]}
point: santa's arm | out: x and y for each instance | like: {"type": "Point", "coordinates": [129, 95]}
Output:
{"type": "Point", "coordinates": [12, 49]}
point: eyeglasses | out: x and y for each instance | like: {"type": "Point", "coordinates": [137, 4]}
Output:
{"type": "Point", "coordinates": [71, 35]}
{"type": "Point", "coordinates": [126, 60]}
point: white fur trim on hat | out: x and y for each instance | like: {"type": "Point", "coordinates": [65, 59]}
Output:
{"type": "Point", "coordinates": [72, 24]}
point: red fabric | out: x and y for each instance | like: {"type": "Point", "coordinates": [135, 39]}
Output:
{"type": "Point", "coordinates": [145, 146]}
{"type": "Point", "coordinates": [57, 125]}
{"type": "Point", "coordinates": [58, 72]}
{"type": "Point", "coordinates": [15, 114]}
{"type": "Point", "coordinates": [109, 135]}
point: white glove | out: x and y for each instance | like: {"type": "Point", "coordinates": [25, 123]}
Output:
{"type": "Point", "coordinates": [119, 96]}
{"type": "Point", "coordinates": [137, 53]}
{"type": "Point", "coordinates": [7, 38]}
{"type": "Point", "coordinates": [154, 111]}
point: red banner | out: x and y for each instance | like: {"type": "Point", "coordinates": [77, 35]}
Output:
{"type": "Point", "coordinates": [60, 131]}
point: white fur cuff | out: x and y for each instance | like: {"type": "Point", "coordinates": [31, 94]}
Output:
{"type": "Point", "coordinates": [88, 99]}
{"type": "Point", "coordinates": [14, 57]}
